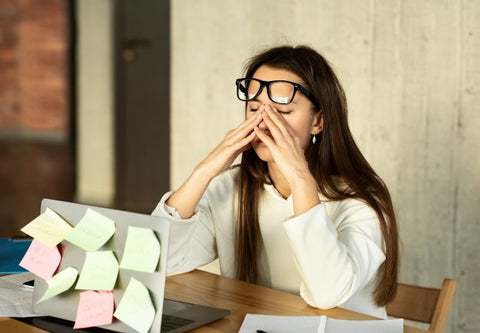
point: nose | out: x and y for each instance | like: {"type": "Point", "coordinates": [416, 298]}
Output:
{"type": "Point", "coordinates": [263, 98]}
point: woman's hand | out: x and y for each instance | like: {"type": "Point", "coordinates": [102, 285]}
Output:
{"type": "Point", "coordinates": [284, 146]}
{"type": "Point", "coordinates": [289, 157]}
{"type": "Point", "coordinates": [233, 144]}
{"type": "Point", "coordinates": [187, 197]}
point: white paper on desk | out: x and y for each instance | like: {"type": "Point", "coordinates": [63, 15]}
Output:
{"type": "Point", "coordinates": [364, 326]}
{"type": "Point", "coordinates": [17, 279]}
{"type": "Point", "coordinates": [16, 299]}
{"type": "Point", "coordinates": [279, 324]}
{"type": "Point", "coordinates": [316, 324]}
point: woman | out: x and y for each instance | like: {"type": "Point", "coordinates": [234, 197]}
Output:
{"type": "Point", "coordinates": [303, 212]}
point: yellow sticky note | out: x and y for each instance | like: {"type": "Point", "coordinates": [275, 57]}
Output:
{"type": "Point", "coordinates": [99, 271]}
{"type": "Point", "coordinates": [60, 283]}
{"type": "Point", "coordinates": [92, 232]}
{"type": "Point", "coordinates": [48, 228]}
{"type": "Point", "coordinates": [136, 308]}
{"type": "Point", "coordinates": [142, 250]}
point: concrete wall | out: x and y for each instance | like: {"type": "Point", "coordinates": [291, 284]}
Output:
{"type": "Point", "coordinates": [95, 94]}
{"type": "Point", "coordinates": [411, 73]}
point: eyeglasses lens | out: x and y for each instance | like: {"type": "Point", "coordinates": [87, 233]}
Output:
{"type": "Point", "coordinates": [281, 92]}
{"type": "Point", "coordinates": [248, 89]}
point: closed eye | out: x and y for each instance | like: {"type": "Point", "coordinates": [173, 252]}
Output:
{"type": "Point", "coordinates": [254, 106]}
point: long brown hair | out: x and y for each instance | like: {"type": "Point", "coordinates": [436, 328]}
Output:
{"type": "Point", "coordinates": [334, 156]}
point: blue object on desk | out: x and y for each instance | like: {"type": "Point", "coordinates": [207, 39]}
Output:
{"type": "Point", "coordinates": [11, 253]}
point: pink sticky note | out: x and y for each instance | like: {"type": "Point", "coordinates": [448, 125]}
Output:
{"type": "Point", "coordinates": [95, 308]}
{"type": "Point", "coordinates": [41, 259]}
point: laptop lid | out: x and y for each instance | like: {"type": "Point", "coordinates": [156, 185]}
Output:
{"type": "Point", "coordinates": [65, 305]}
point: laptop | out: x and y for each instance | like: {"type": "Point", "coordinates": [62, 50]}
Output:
{"type": "Point", "coordinates": [170, 316]}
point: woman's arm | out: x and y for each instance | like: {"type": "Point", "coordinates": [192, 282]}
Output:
{"type": "Point", "coordinates": [193, 241]}
{"type": "Point", "coordinates": [187, 197]}
{"type": "Point", "coordinates": [335, 255]}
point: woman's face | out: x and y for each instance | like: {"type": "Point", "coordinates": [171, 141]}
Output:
{"type": "Point", "coordinates": [299, 114]}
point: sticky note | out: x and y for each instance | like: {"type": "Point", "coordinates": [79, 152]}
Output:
{"type": "Point", "coordinates": [41, 260]}
{"type": "Point", "coordinates": [142, 250]}
{"type": "Point", "coordinates": [92, 231]}
{"type": "Point", "coordinates": [48, 228]}
{"type": "Point", "coordinates": [136, 308]}
{"type": "Point", "coordinates": [95, 308]}
{"type": "Point", "coordinates": [60, 283]}
{"type": "Point", "coordinates": [99, 271]}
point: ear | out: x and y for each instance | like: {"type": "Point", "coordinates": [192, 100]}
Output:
{"type": "Point", "coordinates": [317, 124]}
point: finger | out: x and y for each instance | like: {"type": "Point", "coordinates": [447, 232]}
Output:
{"type": "Point", "coordinates": [245, 143]}
{"type": "Point", "coordinates": [265, 138]}
{"type": "Point", "coordinates": [275, 131]}
{"type": "Point", "coordinates": [253, 118]}
{"type": "Point", "coordinates": [247, 126]}
{"type": "Point", "coordinates": [278, 119]}
{"type": "Point", "coordinates": [242, 145]}
{"type": "Point", "coordinates": [234, 137]}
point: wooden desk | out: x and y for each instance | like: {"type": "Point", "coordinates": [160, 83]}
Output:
{"type": "Point", "coordinates": [242, 298]}
{"type": "Point", "coordinates": [237, 296]}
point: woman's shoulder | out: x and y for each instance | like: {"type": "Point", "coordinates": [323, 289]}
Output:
{"type": "Point", "coordinates": [354, 214]}
{"type": "Point", "coordinates": [354, 205]}
{"type": "Point", "coordinates": [348, 202]}
{"type": "Point", "coordinates": [347, 207]}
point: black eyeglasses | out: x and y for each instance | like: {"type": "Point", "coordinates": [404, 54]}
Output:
{"type": "Point", "coordinates": [279, 91]}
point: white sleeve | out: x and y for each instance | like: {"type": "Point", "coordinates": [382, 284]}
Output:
{"type": "Point", "coordinates": [335, 258]}
{"type": "Point", "coordinates": [191, 241]}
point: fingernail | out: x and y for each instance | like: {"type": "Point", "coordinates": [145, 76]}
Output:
{"type": "Point", "coordinates": [268, 107]}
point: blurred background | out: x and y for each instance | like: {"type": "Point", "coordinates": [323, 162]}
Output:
{"type": "Point", "coordinates": [114, 102]}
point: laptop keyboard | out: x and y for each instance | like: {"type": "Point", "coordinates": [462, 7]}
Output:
{"type": "Point", "coordinates": [169, 323]}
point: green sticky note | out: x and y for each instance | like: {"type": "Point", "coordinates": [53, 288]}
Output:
{"type": "Point", "coordinates": [99, 271]}
{"type": "Point", "coordinates": [136, 308]}
{"type": "Point", "coordinates": [142, 250]}
{"type": "Point", "coordinates": [48, 228]}
{"type": "Point", "coordinates": [59, 283]}
{"type": "Point", "coordinates": [92, 232]}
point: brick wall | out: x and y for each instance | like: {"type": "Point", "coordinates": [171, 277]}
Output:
{"type": "Point", "coordinates": [36, 154]}
{"type": "Point", "coordinates": [33, 68]}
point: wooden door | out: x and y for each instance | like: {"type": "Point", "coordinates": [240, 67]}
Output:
{"type": "Point", "coordinates": [142, 103]}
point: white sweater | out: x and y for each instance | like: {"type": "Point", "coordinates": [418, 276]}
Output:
{"type": "Point", "coordinates": [330, 255]}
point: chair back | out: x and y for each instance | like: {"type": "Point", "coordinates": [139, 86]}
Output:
{"type": "Point", "coordinates": [426, 305]}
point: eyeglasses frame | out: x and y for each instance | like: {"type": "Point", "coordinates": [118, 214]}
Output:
{"type": "Point", "coordinates": [267, 84]}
